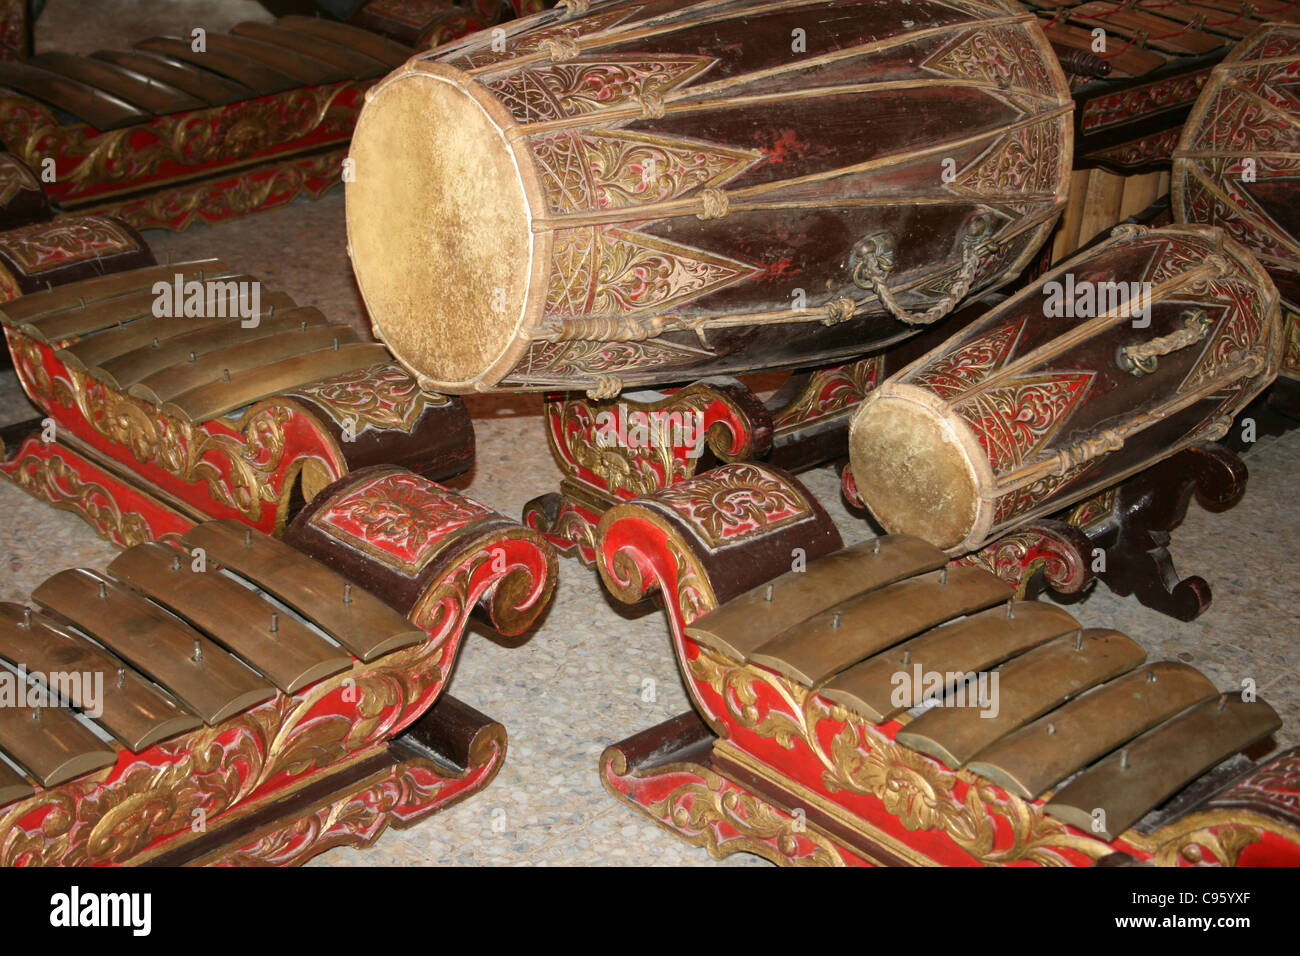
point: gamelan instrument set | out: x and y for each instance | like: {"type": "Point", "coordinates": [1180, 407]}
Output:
{"type": "Point", "coordinates": [1015, 271]}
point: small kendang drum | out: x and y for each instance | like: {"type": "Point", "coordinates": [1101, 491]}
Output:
{"type": "Point", "coordinates": [1238, 163]}
{"type": "Point", "coordinates": [652, 191]}
{"type": "Point", "coordinates": [1115, 360]}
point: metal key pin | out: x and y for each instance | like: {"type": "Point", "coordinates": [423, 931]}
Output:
{"type": "Point", "coordinates": [347, 594]}
{"type": "Point", "coordinates": [275, 622]}
{"type": "Point", "coordinates": [198, 652]}
{"type": "Point", "coordinates": [767, 595]}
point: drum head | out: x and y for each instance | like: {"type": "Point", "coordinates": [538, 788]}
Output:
{"type": "Point", "coordinates": [913, 473]}
{"type": "Point", "coordinates": [439, 228]}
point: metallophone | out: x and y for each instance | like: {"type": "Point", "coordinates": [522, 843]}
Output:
{"type": "Point", "coordinates": [261, 700]}
{"type": "Point", "coordinates": [805, 747]}
{"type": "Point", "coordinates": [161, 422]}
{"type": "Point", "coordinates": [162, 135]}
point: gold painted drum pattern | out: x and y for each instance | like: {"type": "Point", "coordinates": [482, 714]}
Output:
{"type": "Point", "coordinates": [652, 191]}
{"type": "Point", "coordinates": [1113, 361]}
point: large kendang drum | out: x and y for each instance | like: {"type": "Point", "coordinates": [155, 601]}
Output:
{"type": "Point", "coordinates": [648, 192]}
{"type": "Point", "coordinates": [1117, 359]}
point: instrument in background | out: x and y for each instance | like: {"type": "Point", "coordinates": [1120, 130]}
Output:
{"type": "Point", "coordinates": [162, 134]}
{"type": "Point", "coordinates": [1110, 363]}
{"type": "Point", "coordinates": [22, 200]}
{"type": "Point", "coordinates": [423, 24]}
{"type": "Point", "coordinates": [1237, 165]}
{"type": "Point", "coordinates": [68, 249]}
{"type": "Point", "coordinates": [1133, 96]}
{"type": "Point", "coordinates": [37, 252]}
{"type": "Point", "coordinates": [231, 402]}
{"type": "Point", "coordinates": [912, 711]}
{"type": "Point", "coordinates": [234, 700]}
{"type": "Point", "coordinates": [545, 213]}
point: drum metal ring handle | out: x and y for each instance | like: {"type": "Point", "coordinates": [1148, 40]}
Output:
{"type": "Point", "coordinates": [875, 256]}
{"type": "Point", "coordinates": [1142, 359]}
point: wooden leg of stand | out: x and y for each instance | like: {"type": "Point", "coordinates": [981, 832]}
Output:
{"type": "Point", "coordinates": [1135, 536]}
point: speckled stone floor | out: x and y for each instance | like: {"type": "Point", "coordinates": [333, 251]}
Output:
{"type": "Point", "coordinates": [576, 685]}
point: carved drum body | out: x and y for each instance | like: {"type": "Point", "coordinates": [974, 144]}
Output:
{"type": "Point", "coordinates": [651, 192]}
{"type": "Point", "coordinates": [1238, 163]}
{"type": "Point", "coordinates": [1111, 362]}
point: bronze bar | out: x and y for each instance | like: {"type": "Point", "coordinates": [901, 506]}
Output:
{"type": "Point", "coordinates": [303, 67]}
{"type": "Point", "coordinates": [217, 398]}
{"type": "Point", "coordinates": [97, 108]}
{"type": "Point", "coordinates": [107, 314]}
{"type": "Point", "coordinates": [972, 644]}
{"type": "Point", "coordinates": [839, 637]}
{"type": "Point", "coordinates": [353, 62]}
{"type": "Point", "coordinates": [221, 367]}
{"type": "Point", "coordinates": [350, 615]}
{"type": "Point", "coordinates": [286, 651]}
{"type": "Point", "coordinates": [1138, 778]}
{"type": "Point", "coordinates": [256, 76]}
{"type": "Point", "coordinates": [174, 344]}
{"type": "Point", "coordinates": [748, 621]}
{"type": "Point", "coordinates": [211, 682]}
{"type": "Point", "coordinates": [386, 51]}
{"type": "Point", "coordinates": [114, 354]}
{"type": "Point", "coordinates": [143, 91]}
{"type": "Point", "coordinates": [1028, 686]}
{"type": "Point", "coordinates": [13, 786]}
{"type": "Point", "coordinates": [1042, 754]}
{"type": "Point", "coordinates": [212, 88]}
{"type": "Point", "coordinates": [133, 709]}
{"type": "Point", "coordinates": [62, 303]}
{"type": "Point", "coordinates": [51, 744]}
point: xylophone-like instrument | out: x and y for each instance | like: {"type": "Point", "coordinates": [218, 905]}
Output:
{"type": "Point", "coordinates": [235, 403]}
{"type": "Point", "coordinates": [230, 698]}
{"type": "Point", "coordinates": [879, 705]}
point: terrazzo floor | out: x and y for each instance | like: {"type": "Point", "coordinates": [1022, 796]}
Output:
{"type": "Point", "coordinates": [576, 685]}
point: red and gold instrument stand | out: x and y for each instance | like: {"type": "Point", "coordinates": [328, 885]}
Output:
{"type": "Point", "coordinates": [766, 765]}
{"type": "Point", "coordinates": [451, 753]}
{"type": "Point", "coordinates": [616, 450]}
